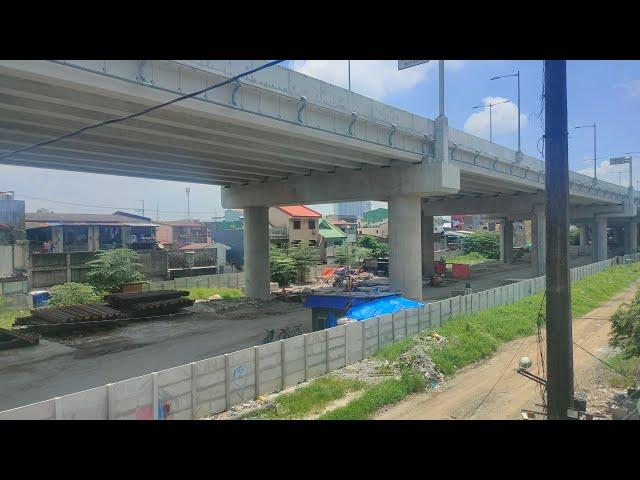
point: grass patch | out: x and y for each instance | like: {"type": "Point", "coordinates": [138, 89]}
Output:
{"type": "Point", "coordinates": [471, 337]}
{"type": "Point", "coordinates": [308, 400]}
{"type": "Point", "coordinates": [374, 398]}
{"type": "Point", "coordinates": [202, 293]}
{"type": "Point", "coordinates": [470, 258]}
{"type": "Point", "coordinates": [628, 366]}
{"type": "Point", "coordinates": [8, 313]}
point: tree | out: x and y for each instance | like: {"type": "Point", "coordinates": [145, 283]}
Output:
{"type": "Point", "coordinates": [486, 244]}
{"type": "Point", "coordinates": [625, 328]}
{"type": "Point", "coordinates": [72, 293]}
{"type": "Point", "coordinates": [283, 268]}
{"type": "Point", "coordinates": [352, 255]}
{"type": "Point", "coordinates": [378, 249]}
{"type": "Point", "coordinates": [113, 268]}
{"type": "Point", "coordinates": [303, 256]}
{"type": "Point", "coordinates": [574, 236]}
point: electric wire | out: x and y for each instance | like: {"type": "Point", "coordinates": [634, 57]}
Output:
{"type": "Point", "coordinates": [506, 366]}
{"type": "Point", "coordinates": [141, 112]}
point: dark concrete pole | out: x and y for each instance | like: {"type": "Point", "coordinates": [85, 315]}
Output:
{"type": "Point", "coordinates": [559, 334]}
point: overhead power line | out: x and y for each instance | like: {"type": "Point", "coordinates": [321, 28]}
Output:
{"type": "Point", "coordinates": [141, 112]}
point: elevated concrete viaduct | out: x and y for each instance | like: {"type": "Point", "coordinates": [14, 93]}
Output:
{"type": "Point", "coordinates": [278, 137]}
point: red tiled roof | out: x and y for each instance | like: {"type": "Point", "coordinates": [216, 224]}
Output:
{"type": "Point", "coordinates": [300, 211]}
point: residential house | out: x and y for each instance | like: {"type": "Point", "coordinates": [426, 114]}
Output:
{"type": "Point", "coordinates": [346, 223]}
{"type": "Point", "coordinates": [174, 234]}
{"type": "Point", "coordinates": [88, 232]}
{"type": "Point", "coordinates": [332, 237]}
{"type": "Point", "coordinates": [378, 230]}
{"type": "Point", "coordinates": [230, 232]}
{"type": "Point", "coordinates": [293, 225]}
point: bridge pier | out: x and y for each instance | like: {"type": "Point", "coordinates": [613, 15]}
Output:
{"type": "Point", "coordinates": [599, 248]}
{"type": "Point", "coordinates": [631, 237]}
{"type": "Point", "coordinates": [583, 235]}
{"type": "Point", "coordinates": [256, 252]}
{"type": "Point", "coordinates": [506, 240]}
{"type": "Point", "coordinates": [405, 271]}
{"type": "Point", "coordinates": [427, 245]}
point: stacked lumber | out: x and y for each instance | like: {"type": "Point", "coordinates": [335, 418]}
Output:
{"type": "Point", "coordinates": [86, 312]}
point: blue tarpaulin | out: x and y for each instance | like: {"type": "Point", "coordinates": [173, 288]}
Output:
{"type": "Point", "coordinates": [381, 306]}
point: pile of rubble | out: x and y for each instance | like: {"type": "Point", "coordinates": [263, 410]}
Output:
{"type": "Point", "coordinates": [418, 358]}
{"type": "Point", "coordinates": [338, 280]}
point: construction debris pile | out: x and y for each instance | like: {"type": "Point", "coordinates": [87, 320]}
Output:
{"type": "Point", "coordinates": [339, 279]}
{"type": "Point", "coordinates": [418, 358]}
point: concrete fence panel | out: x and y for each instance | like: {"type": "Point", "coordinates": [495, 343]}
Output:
{"type": "Point", "coordinates": [132, 399]}
{"type": "Point", "coordinates": [87, 405]}
{"type": "Point", "coordinates": [371, 336]}
{"type": "Point", "coordinates": [457, 305]}
{"type": "Point", "coordinates": [445, 310]}
{"type": "Point", "coordinates": [484, 300]}
{"type": "Point", "coordinates": [316, 354]}
{"type": "Point", "coordinates": [435, 314]}
{"type": "Point", "coordinates": [174, 393]}
{"type": "Point", "coordinates": [413, 321]}
{"type": "Point", "coordinates": [399, 325]}
{"type": "Point", "coordinates": [269, 368]}
{"type": "Point", "coordinates": [294, 360]}
{"type": "Point", "coordinates": [36, 411]}
{"type": "Point", "coordinates": [210, 386]}
{"type": "Point", "coordinates": [337, 347]}
{"type": "Point", "coordinates": [241, 376]}
{"type": "Point", "coordinates": [355, 333]}
{"type": "Point", "coordinates": [424, 317]}
{"type": "Point", "coordinates": [386, 329]}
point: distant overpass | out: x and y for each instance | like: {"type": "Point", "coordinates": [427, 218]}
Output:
{"type": "Point", "coordinates": [279, 137]}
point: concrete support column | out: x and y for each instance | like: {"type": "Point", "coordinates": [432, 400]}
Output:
{"type": "Point", "coordinates": [427, 245]}
{"type": "Point", "coordinates": [600, 239]}
{"type": "Point", "coordinates": [631, 237]}
{"type": "Point", "coordinates": [125, 234]}
{"type": "Point", "coordinates": [405, 249]}
{"type": "Point", "coordinates": [441, 139]}
{"type": "Point", "coordinates": [538, 235]}
{"type": "Point", "coordinates": [256, 252]}
{"type": "Point", "coordinates": [583, 235]}
{"type": "Point", "coordinates": [506, 240]}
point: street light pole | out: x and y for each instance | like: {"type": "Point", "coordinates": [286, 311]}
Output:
{"type": "Point", "coordinates": [441, 69]}
{"type": "Point", "coordinates": [349, 64]}
{"type": "Point", "coordinates": [491, 105]}
{"type": "Point", "coordinates": [517, 74]}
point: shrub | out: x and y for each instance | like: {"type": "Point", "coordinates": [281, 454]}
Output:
{"type": "Point", "coordinates": [352, 255]}
{"type": "Point", "coordinates": [625, 328]}
{"type": "Point", "coordinates": [113, 268]}
{"type": "Point", "coordinates": [72, 293]}
{"type": "Point", "coordinates": [574, 236]}
{"type": "Point", "coordinates": [378, 249]}
{"type": "Point", "coordinates": [486, 244]}
{"type": "Point", "coordinates": [283, 268]}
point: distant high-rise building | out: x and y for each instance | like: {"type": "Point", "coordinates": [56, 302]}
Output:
{"type": "Point", "coordinates": [352, 208]}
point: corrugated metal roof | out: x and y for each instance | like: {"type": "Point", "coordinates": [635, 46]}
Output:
{"type": "Point", "coordinates": [84, 219]}
{"type": "Point", "coordinates": [327, 230]}
{"type": "Point", "coordinates": [300, 211]}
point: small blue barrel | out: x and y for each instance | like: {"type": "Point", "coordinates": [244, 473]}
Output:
{"type": "Point", "coordinates": [40, 297]}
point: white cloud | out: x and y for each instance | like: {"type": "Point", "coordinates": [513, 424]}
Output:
{"type": "Point", "coordinates": [631, 88]}
{"type": "Point", "coordinates": [616, 174]}
{"type": "Point", "coordinates": [372, 78]}
{"type": "Point", "coordinates": [504, 118]}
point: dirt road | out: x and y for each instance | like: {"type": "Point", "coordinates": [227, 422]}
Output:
{"type": "Point", "coordinates": [461, 396]}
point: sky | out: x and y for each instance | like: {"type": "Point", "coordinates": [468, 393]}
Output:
{"type": "Point", "coordinates": [604, 92]}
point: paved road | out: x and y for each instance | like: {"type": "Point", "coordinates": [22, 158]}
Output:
{"type": "Point", "coordinates": [34, 374]}
{"type": "Point", "coordinates": [460, 396]}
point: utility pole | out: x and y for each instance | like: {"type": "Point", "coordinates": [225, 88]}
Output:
{"type": "Point", "coordinates": [142, 207]}
{"type": "Point", "coordinates": [558, 311]}
{"type": "Point", "coordinates": [349, 66]}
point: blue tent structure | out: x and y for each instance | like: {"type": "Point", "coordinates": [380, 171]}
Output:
{"type": "Point", "coordinates": [381, 306]}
